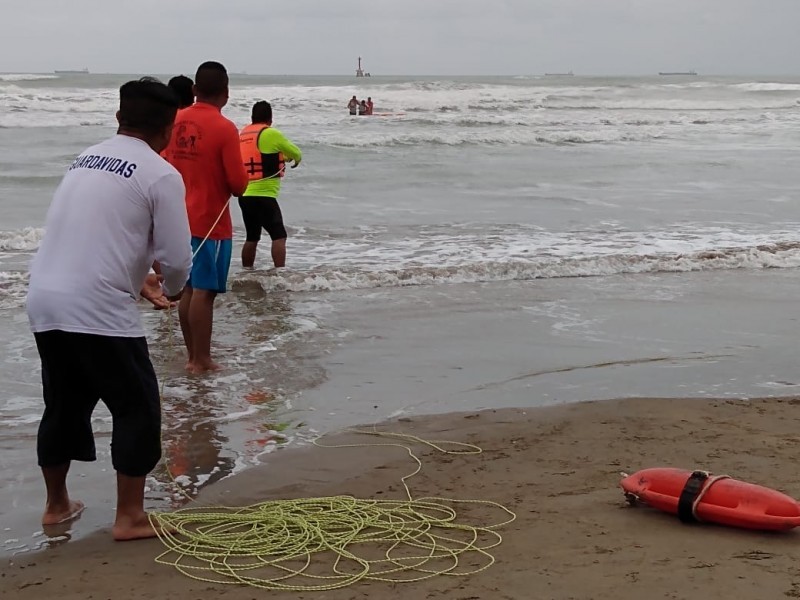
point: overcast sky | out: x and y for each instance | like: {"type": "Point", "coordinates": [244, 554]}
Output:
{"type": "Point", "coordinates": [494, 37]}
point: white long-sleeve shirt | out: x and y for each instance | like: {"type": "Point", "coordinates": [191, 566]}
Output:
{"type": "Point", "coordinates": [119, 207]}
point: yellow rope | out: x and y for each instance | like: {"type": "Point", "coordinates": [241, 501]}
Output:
{"type": "Point", "coordinates": [317, 544]}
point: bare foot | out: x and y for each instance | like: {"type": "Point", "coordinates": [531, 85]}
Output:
{"type": "Point", "coordinates": [198, 367]}
{"type": "Point", "coordinates": [127, 530]}
{"type": "Point", "coordinates": [53, 515]}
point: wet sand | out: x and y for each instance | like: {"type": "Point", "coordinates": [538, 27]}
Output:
{"type": "Point", "coordinates": [556, 467]}
{"type": "Point", "coordinates": [415, 351]}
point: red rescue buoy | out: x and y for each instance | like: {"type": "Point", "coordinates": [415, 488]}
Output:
{"type": "Point", "coordinates": [700, 496]}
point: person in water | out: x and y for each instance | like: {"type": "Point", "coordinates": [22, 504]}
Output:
{"type": "Point", "coordinates": [362, 108]}
{"type": "Point", "coordinates": [264, 152]}
{"type": "Point", "coordinates": [205, 150]}
{"type": "Point", "coordinates": [353, 105]}
{"type": "Point", "coordinates": [370, 105]}
{"type": "Point", "coordinates": [183, 88]}
{"type": "Point", "coordinates": [119, 207]}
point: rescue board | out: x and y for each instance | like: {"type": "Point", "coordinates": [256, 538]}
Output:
{"type": "Point", "coordinates": [700, 496]}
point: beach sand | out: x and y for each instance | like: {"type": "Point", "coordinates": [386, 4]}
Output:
{"type": "Point", "coordinates": [557, 467]}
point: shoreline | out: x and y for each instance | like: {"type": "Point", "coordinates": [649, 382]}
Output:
{"type": "Point", "coordinates": [557, 467]}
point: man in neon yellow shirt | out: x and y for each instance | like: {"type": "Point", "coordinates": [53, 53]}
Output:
{"type": "Point", "coordinates": [264, 152]}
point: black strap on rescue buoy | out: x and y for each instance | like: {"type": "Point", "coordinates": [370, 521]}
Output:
{"type": "Point", "coordinates": [693, 487]}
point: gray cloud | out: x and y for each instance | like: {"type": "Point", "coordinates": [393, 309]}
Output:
{"type": "Point", "coordinates": [410, 37]}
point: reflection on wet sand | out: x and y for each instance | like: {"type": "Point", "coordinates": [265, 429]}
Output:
{"type": "Point", "coordinates": [216, 425]}
{"type": "Point", "coordinates": [193, 446]}
{"type": "Point", "coordinates": [59, 533]}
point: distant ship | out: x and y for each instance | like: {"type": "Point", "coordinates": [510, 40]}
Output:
{"type": "Point", "coordinates": [677, 72]}
{"type": "Point", "coordinates": [83, 71]}
{"type": "Point", "coordinates": [567, 74]}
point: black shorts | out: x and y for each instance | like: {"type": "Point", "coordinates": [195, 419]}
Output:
{"type": "Point", "coordinates": [78, 369]}
{"type": "Point", "coordinates": [261, 211]}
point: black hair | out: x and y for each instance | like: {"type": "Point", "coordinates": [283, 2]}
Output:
{"type": "Point", "coordinates": [182, 86]}
{"type": "Point", "coordinates": [146, 105]}
{"type": "Point", "coordinates": [211, 79]}
{"type": "Point", "coordinates": [262, 112]}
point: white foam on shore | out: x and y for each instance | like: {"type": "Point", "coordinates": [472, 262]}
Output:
{"type": "Point", "coordinates": [768, 87]}
{"type": "Point", "coordinates": [26, 76]}
{"type": "Point", "coordinates": [337, 279]}
{"type": "Point", "coordinates": [461, 254]}
{"type": "Point", "coordinates": [237, 415]}
{"type": "Point", "coordinates": [13, 289]}
{"type": "Point", "coordinates": [468, 254]}
{"type": "Point", "coordinates": [26, 239]}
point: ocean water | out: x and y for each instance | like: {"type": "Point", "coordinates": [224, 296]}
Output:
{"type": "Point", "coordinates": [484, 242]}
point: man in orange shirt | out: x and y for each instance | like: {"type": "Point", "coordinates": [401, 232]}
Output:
{"type": "Point", "coordinates": [205, 150]}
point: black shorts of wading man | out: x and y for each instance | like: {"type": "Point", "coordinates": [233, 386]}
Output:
{"type": "Point", "coordinates": [261, 212]}
{"type": "Point", "coordinates": [118, 211]}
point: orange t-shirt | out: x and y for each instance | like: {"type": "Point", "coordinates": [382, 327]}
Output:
{"type": "Point", "coordinates": [205, 150]}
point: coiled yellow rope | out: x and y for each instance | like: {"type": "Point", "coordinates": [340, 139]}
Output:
{"type": "Point", "coordinates": [317, 544]}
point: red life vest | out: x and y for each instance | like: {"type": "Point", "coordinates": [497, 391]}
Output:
{"type": "Point", "coordinates": [257, 164]}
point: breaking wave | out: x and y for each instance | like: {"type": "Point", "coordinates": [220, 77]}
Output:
{"type": "Point", "coordinates": [784, 255]}
{"type": "Point", "coordinates": [21, 240]}
{"type": "Point", "coordinates": [25, 76]}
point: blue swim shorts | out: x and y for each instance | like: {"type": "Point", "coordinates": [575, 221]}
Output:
{"type": "Point", "coordinates": [210, 264]}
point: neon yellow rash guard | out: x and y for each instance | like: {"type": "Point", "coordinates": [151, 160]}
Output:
{"type": "Point", "coordinates": [272, 141]}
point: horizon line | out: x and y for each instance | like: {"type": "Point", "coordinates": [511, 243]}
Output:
{"type": "Point", "coordinates": [516, 74]}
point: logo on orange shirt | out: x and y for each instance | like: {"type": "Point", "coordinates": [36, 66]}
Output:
{"type": "Point", "coordinates": [188, 136]}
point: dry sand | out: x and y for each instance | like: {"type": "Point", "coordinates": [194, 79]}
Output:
{"type": "Point", "coordinates": [557, 468]}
